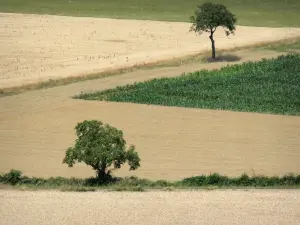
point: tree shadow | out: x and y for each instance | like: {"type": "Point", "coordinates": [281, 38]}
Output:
{"type": "Point", "coordinates": [223, 58]}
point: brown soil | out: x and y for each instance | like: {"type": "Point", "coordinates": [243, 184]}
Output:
{"type": "Point", "coordinates": [36, 128]}
{"type": "Point", "coordinates": [38, 47]}
{"type": "Point", "coordinates": [259, 207]}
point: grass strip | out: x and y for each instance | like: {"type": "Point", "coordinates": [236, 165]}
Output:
{"type": "Point", "coordinates": [268, 13]}
{"type": "Point", "coordinates": [15, 179]}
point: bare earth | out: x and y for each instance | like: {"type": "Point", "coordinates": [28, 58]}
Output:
{"type": "Point", "coordinates": [253, 207]}
{"type": "Point", "coordinates": [38, 47]}
{"type": "Point", "coordinates": [37, 127]}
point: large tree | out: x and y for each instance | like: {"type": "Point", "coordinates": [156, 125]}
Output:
{"type": "Point", "coordinates": [101, 146]}
{"type": "Point", "coordinates": [208, 17]}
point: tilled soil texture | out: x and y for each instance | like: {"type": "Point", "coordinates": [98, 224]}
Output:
{"type": "Point", "coordinates": [37, 127]}
{"type": "Point", "coordinates": [249, 207]}
{"type": "Point", "coordinates": [41, 47]}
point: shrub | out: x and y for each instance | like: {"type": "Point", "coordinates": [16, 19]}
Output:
{"type": "Point", "coordinates": [243, 180]}
{"type": "Point", "coordinates": [13, 177]}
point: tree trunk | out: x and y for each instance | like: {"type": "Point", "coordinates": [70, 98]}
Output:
{"type": "Point", "coordinates": [213, 47]}
{"type": "Point", "coordinates": [101, 173]}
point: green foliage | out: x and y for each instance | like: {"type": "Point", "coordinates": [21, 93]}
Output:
{"type": "Point", "coordinates": [136, 184]}
{"type": "Point", "coordinates": [134, 181]}
{"type": "Point", "coordinates": [243, 181]}
{"type": "Point", "coordinates": [268, 86]}
{"type": "Point", "coordinates": [34, 181]}
{"type": "Point", "coordinates": [101, 146]}
{"type": "Point", "coordinates": [62, 181]}
{"type": "Point", "coordinates": [264, 13]}
{"type": "Point", "coordinates": [162, 183]}
{"type": "Point", "coordinates": [13, 177]}
{"type": "Point", "coordinates": [203, 180]}
{"type": "Point", "coordinates": [209, 16]}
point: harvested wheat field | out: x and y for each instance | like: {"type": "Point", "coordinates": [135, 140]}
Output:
{"type": "Point", "coordinates": [39, 47]}
{"type": "Point", "coordinates": [259, 207]}
{"type": "Point", "coordinates": [36, 128]}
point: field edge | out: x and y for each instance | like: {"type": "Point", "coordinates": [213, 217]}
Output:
{"type": "Point", "coordinates": [173, 62]}
{"type": "Point", "coordinates": [15, 180]}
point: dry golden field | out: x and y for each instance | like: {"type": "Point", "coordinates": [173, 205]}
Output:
{"type": "Point", "coordinates": [220, 207]}
{"type": "Point", "coordinates": [39, 47]}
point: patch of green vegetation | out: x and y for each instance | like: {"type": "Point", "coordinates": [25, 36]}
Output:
{"type": "Point", "coordinates": [15, 179]}
{"type": "Point", "coordinates": [268, 86]}
{"type": "Point", "coordinates": [244, 180]}
{"type": "Point", "coordinates": [272, 13]}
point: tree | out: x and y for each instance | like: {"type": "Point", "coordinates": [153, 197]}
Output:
{"type": "Point", "coordinates": [208, 17]}
{"type": "Point", "coordinates": [101, 146]}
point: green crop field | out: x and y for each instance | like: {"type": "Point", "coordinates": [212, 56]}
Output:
{"type": "Point", "coordinates": [272, 13]}
{"type": "Point", "coordinates": [268, 86]}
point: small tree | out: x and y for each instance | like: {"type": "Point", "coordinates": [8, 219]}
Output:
{"type": "Point", "coordinates": [208, 17]}
{"type": "Point", "coordinates": [101, 146]}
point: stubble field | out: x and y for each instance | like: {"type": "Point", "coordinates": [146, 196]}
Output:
{"type": "Point", "coordinates": [221, 207]}
{"type": "Point", "coordinates": [37, 48]}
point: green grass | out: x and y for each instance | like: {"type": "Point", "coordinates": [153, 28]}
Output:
{"type": "Point", "coordinates": [15, 179]}
{"type": "Point", "coordinates": [273, 13]}
{"type": "Point", "coordinates": [268, 86]}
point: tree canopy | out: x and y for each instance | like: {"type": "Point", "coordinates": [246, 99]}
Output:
{"type": "Point", "coordinates": [101, 147]}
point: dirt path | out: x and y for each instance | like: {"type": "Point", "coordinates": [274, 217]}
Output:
{"type": "Point", "coordinates": [38, 47]}
{"type": "Point", "coordinates": [36, 128]}
{"type": "Point", "coordinates": [259, 207]}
